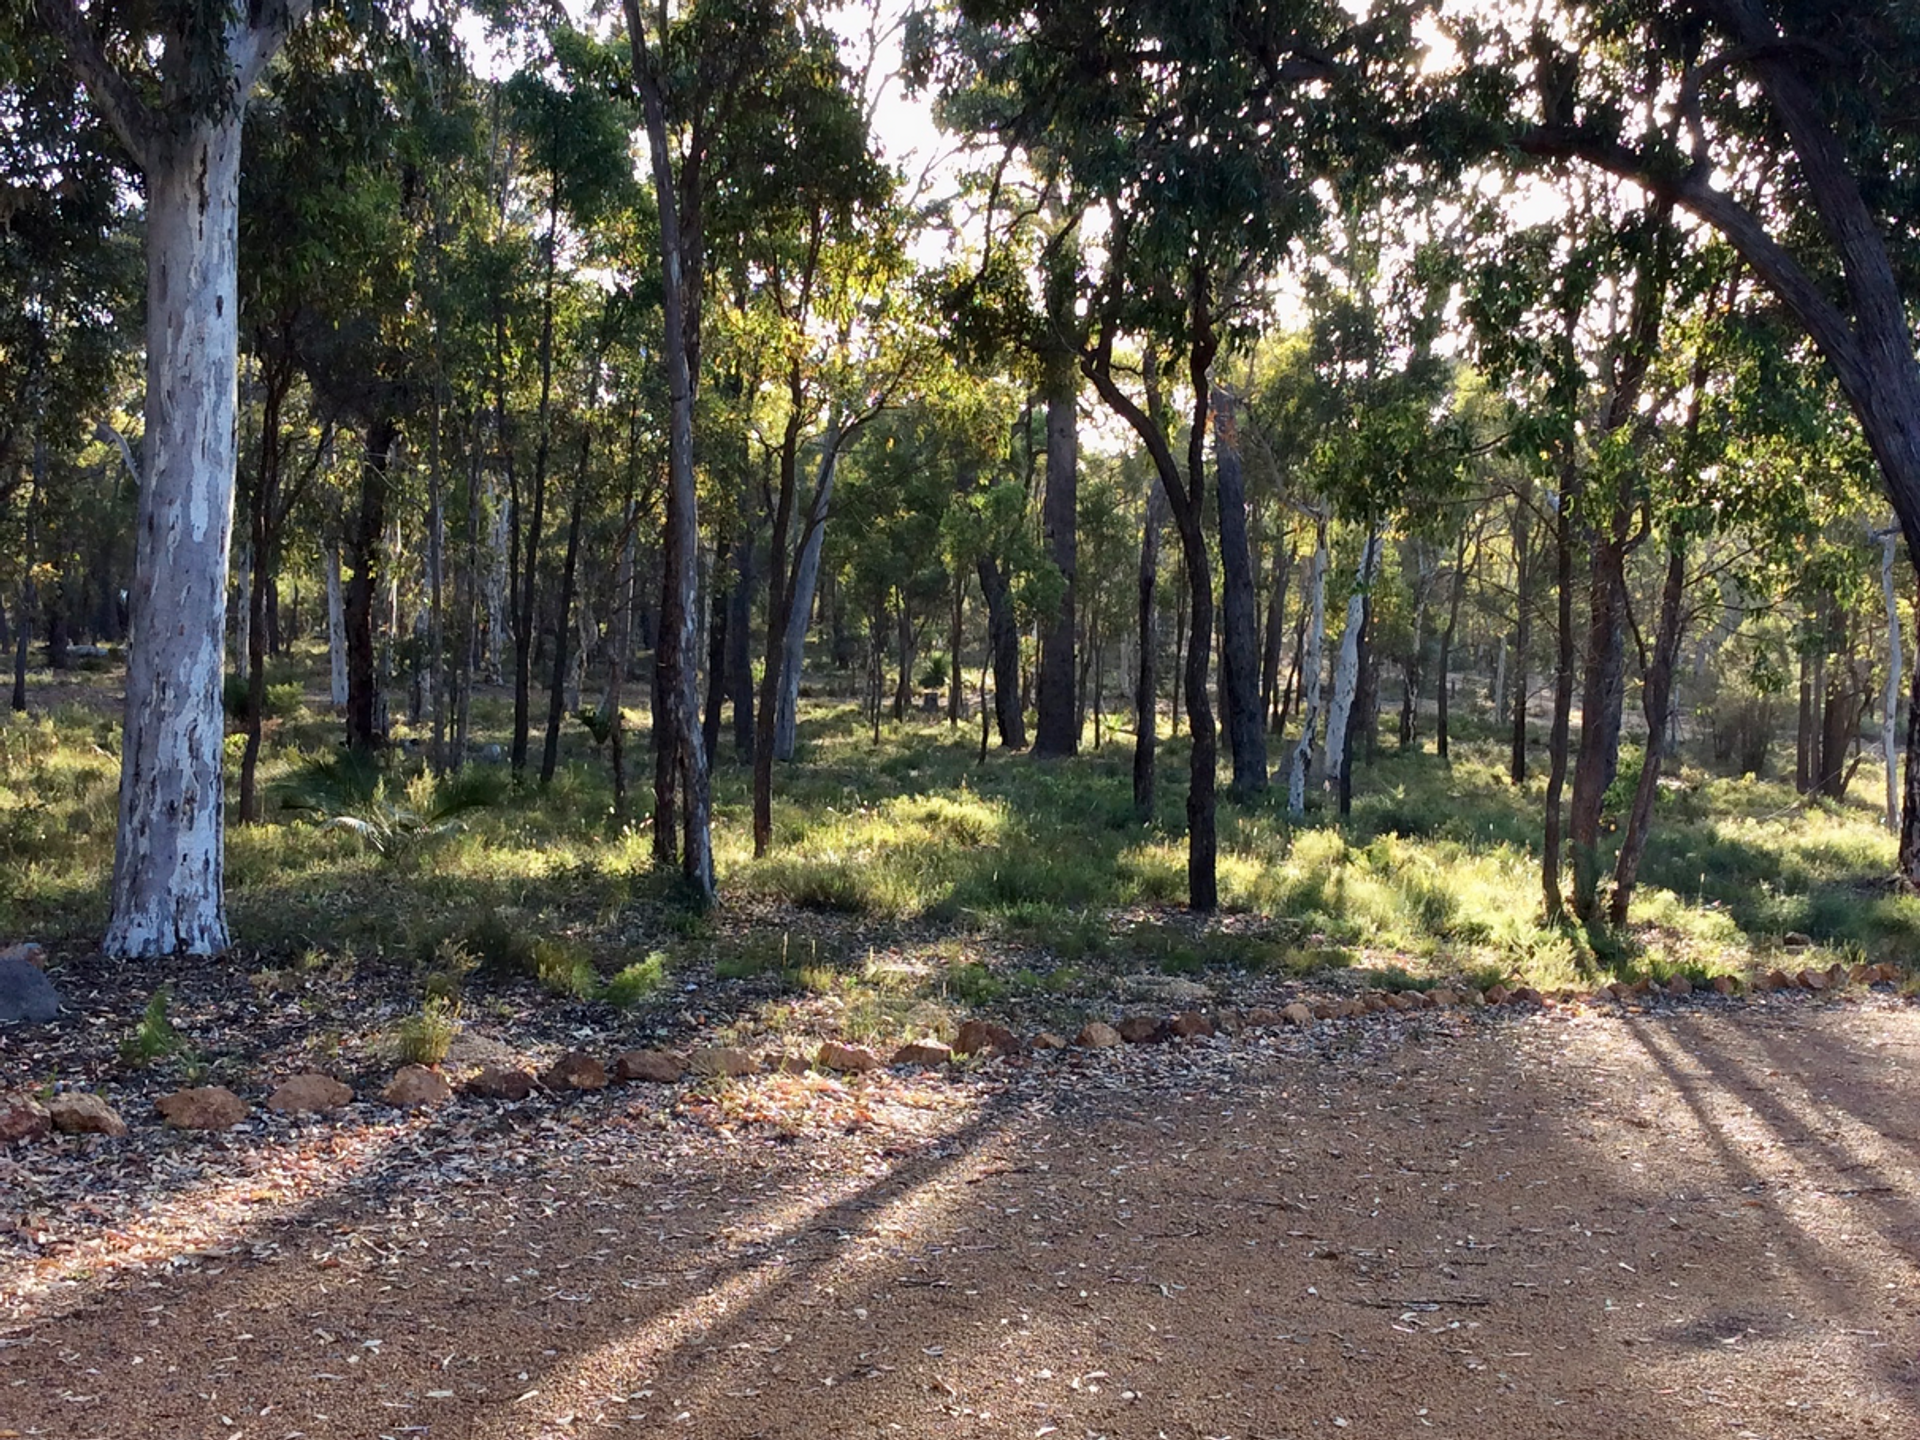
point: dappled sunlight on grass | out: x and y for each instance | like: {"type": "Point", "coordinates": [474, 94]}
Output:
{"type": "Point", "coordinates": [1437, 865]}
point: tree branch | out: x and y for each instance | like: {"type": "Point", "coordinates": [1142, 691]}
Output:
{"type": "Point", "coordinates": [254, 44]}
{"type": "Point", "coordinates": [119, 102]}
{"type": "Point", "coordinates": [1772, 261]}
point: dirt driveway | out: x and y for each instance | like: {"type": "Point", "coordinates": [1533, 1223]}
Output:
{"type": "Point", "coordinates": [1692, 1224]}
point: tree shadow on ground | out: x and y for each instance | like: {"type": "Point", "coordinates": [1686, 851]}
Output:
{"type": "Point", "coordinates": [1514, 1231]}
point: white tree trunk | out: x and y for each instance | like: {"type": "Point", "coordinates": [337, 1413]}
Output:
{"type": "Point", "coordinates": [1346, 669]}
{"type": "Point", "coordinates": [1890, 703]}
{"type": "Point", "coordinates": [786, 715]}
{"type": "Point", "coordinates": [169, 862]}
{"type": "Point", "coordinates": [336, 629]}
{"type": "Point", "coordinates": [1312, 662]}
{"type": "Point", "coordinates": [1500, 679]}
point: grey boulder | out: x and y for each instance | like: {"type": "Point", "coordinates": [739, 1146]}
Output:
{"type": "Point", "coordinates": [25, 993]}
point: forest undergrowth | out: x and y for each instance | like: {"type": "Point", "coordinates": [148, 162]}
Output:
{"type": "Point", "coordinates": [911, 879]}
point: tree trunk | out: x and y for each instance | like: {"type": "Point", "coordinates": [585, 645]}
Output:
{"type": "Point", "coordinates": [1312, 666]}
{"type": "Point", "coordinates": [1890, 702]}
{"type": "Point", "coordinates": [1656, 702]}
{"type": "Point", "coordinates": [1003, 643]}
{"type": "Point", "coordinates": [1239, 627]}
{"type": "Point", "coordinates": [1346, 670]}
{"type": "Point", "coordinates": [1522, 636]}
{"type": "Point", "coordinates": [1562, 716]}
{"type": "Point", "coordinates": [29, 588]}
{"type": "Point", "coordinates": [1602, 697]}
{"type": "Point", "coordinates": [907, 639]}
{"type": "Point", "coordinates": [806, 577]}
{"type": "Point", "coordinates": [436, 666]}
{"type": "Point", "coordinates": [1057, 721]}
{"type": "Point", "coordinates": [557, 690]}
{"type": "Point", "coordinates": [720, 588]}
{"type": "Point", "coordinates": [956, 636]}
{"type": "Point", "coordinates": [336, 629]}
{"type": "Point", "coordinates": [1909, 861]}
{"type": "Point", "coordinates": [363, 553]}
{"type": "Point", "coordinates": [262, 501]}
{"type": "Point", "coordinates": [1362, 718]}
{"type": "Point", "coordinates": [682, 761]}
{"type": "Point", "coordinates": [1499, 692]}
{"type": "Point", "coordinates": [1444, 663]}
{"type": "Point", "coordinates": [740, 644]}
{"type": "Point", "coordinates": [1275, 640]}
{"type": "Point", "coordinates": [1146, 689]}
{"type": "Point", "coordinates": [787, 610]}
{"type": "Point", "coordinates": [169, 862]}
{"type": "Point", "coordinates": [1803, 741]}
{"type": "Point", "coordinates": [467, 608]}
{"type": "Point", "coordinates": [1186, 499]}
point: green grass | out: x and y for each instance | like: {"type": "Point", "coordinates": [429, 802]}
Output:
{"type": "Point", "coordinates": [636, 982]}
{"type": "Point", "coordinates": [1008, 882]}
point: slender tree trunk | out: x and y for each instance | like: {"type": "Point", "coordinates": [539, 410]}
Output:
{"type": "Point", "coordinates": [1522, 633]}
{"type": "Point", "coordinates": [1361, 718]}
{"type": "Point", "coordinates": [363, 725]}
{"type": "Point", "coordinates": [1603, 696]}
{"type": "Point", "coordinates": [1656, 702]}
{"type": "Point", "coordinates": [682, 761]}
{"type": "Point", "coordinates": [436, 668]}
{"type": "Point", "coordinates": [1890, 702]}
{"type": "Point", "coordinates": [786, 620]}
{"type": "Point", "coordinates": [1562, 716]}
{"type": "Point", "coordinates": [956, 636]}
{"type": "Point", "coordinates": [557, 690]}
{"type": "Point", "coordinates": [1003, 642]}
{"type": "Point", "coordinates": [1239, 626]}
{"type": "Point", "coordinates": [907, 639]}
{"type": "Point", "coordinates": [1443, 692]}
{"type": "Point", "coordinates": [29, 589]}
{"type": "Point", "coordinates": [719, 647]}
{"type": "Point", "coordinates": [806, 577]}
{"type": "Point", "coordinates": [336, 628]}
{"type": "Point", "coordinates": [617, 652]}
{"type": "Point", "coordinates": [466, 605]}
{"type": "Point", "coordinates": [1275, 640]}
{"type": "Point", "coordinates": [1179, 644]}
{"type": "Point", "coordinates": [1909, 862]}
{"type": "Point", "coordinates": [740, 645]}
{"type": "Point", "coordinates": [1803, 742]}
{"type": "Point", "coordinates": [1057, 721]}
{"type": "Point", "coordinates": [1146, 689]}
{"type": "Point", "coordinates": [1312, 667]}
{"type": "Point", "coordinates": [262, 501]}
{"type": "Point", "coordinates": [1346, 669]}
{"type": "Point", "coordinates": [526, 635]}
{"type": "Point", "coordinates": [1499, 692]}
{"type": "Point", "coordinates": [1187, 501]}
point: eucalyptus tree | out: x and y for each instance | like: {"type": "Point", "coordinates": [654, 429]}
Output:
{"type": "Point", "coordinates": [811, 239]}
{"type": "Point", "coordinates": [1806, 106]}
{"type": "Point", "coordinates": [1197, 137]}
{"type": "Point", "coordinates": [318, 232]}
{"type": "Point", "coordinates": [173, 83]}
{"type": "Point", "coordinates": [574, 137]}
{"type": "Point", "coordinates": [698, 78]}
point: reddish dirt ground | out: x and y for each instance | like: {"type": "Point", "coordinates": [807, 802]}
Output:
{"type": "Point", "coordinates": [1702, 1223]}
